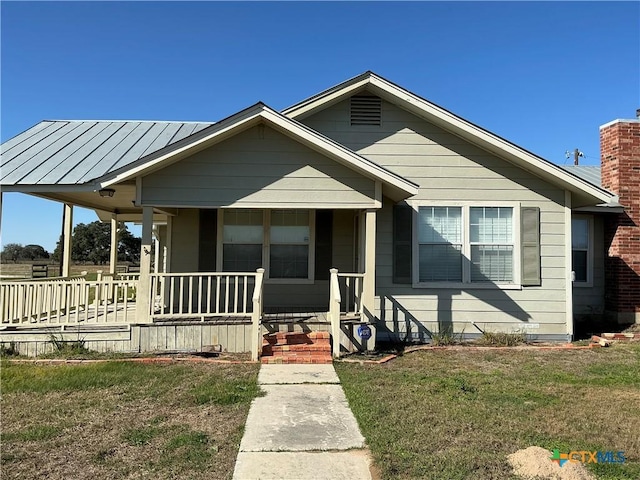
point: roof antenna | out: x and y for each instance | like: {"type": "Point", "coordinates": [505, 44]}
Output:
{"type": "Point", "coordinates": [577, 154]}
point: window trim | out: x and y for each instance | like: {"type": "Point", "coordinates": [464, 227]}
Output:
{"type": "Point", "coordinates": [590, 253]}
{"type": "Point", "coordinates": [466, 283]}
{"type": "Point", "coordinates": [266, 246]}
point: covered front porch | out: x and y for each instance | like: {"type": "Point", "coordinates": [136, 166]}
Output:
{"type": "Point", "coordinates": [198, 309]}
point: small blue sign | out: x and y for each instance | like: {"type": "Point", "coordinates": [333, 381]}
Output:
{"type": "Point", "coordinates": [364, 332]}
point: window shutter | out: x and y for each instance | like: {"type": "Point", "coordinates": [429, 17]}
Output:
{"type": "Point", "coordinates": [402, 220]}
{"type": "Point", "coordinates": [208, 240]}
{"type": "Point", "coordinates": [530, 238]}
{"type": "Point", "coordinates": [324, 237]}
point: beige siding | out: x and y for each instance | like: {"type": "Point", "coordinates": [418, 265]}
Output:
{"type": "Point", "coordinates": [184, 241]}
{"type": "Point", "coordinates": [448, 168]}
{"type": "Point", "coordinates": [258, 168]}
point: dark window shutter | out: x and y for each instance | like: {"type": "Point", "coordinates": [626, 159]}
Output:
{"type": "Point", "coordinates": [402, 220]}
{"type": "Point", "coordinates": [324, 239]}
{"type": "Point", "coordinates": [530, 239]}
{"type": "Point", "coordinates": [208, 240]}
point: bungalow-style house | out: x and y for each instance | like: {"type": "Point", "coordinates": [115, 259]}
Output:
{"type": "Point", "coordinates": [365, 211]}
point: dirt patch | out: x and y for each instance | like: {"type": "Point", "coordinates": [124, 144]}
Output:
{"type": "Point", "coordinates": [535, 463]}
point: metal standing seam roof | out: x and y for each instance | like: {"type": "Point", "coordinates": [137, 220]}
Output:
{"type": "Point", "coordinates": [586, 172]}
{"type": "Point", "coordinates": [73, 152]}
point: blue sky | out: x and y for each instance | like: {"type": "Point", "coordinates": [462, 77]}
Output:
{"type": "Point", "coordinates": [542, 75]}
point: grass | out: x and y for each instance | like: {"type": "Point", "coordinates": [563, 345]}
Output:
{"type": "Point", "coordinates": [118, 420]}
{"type": "Point", "coordinates": [458, 414]}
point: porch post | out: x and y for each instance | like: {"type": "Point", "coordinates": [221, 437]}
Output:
{"type": "Point", "coordinates": [66, 239]}
{"type": "Point", "coordinates": [1, 214]}
{"type": "Point", "coordinates": [156, 249]}
{"type": "Point", "coordinates": [143, 295]}
{"type": "Point", "coordinates": [369, 285]}
{"type": "Point", "coordinates": [113, 257]}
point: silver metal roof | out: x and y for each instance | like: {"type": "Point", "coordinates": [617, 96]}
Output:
{"type": "Point", "coordinates": [586, 172]}
{"type": "Point", "coordinates": [73, 152]}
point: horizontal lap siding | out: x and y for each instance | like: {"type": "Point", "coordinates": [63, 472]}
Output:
{"type": "Point", "coordinates": [448, 168]}
{"type": "Point", "coordinates": [258, 168]}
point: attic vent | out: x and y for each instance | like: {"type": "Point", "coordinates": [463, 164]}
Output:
{"type": "Point", "coordinates": [366, 110]}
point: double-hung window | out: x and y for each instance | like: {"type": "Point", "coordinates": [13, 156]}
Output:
{"type": "Point", "coordinates": [466, 244]}
{"type": "Point", "coordinates": [440, 244]}
{"type": "Point", "coordinates": [242, 240]}
{"type": "Point", "coordinates": [289, 244]}
{"type": "Point", "coordinates": [491, 242]}
{"type": "Point", "coordinates": [278, 240]}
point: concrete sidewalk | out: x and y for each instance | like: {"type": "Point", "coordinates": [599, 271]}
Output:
{"type": "Point", "coordinates": [301, 429]}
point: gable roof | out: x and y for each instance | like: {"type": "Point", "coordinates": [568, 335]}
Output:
{"type": "Point", "coordinates": [584, 191]}
{"type": "Point", "coordinates": [395, 186]}
{"type": "Point", "coordinates": [73, 152]}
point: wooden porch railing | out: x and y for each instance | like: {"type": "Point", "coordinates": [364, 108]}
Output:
{"type": "Point", "coordinates": [202, 294]}
{"type": "Point", "coordinates": [67, 301]}
{"type": "Point", "coordinates": [349, 302]}
{"type": "Point", "coordinates": [256, 316]}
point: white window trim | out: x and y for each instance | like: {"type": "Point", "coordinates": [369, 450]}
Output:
{"type": "Point", "coordinates": [590, 254]}
{"type": "Point", "coordinates": [466, 283]}
{"type": "Point", "coordinates": [266, 245]}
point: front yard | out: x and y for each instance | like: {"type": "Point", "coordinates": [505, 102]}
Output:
{"type": "Point", "coordinates": [120, 420]}
{"type": "Point", "coordinates": [457, 414]}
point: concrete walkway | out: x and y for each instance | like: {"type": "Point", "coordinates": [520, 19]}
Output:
{"type": "Point", "coordinates": [301, 429]}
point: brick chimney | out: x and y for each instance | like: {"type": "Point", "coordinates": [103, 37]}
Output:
{"type": "Point", "coordinates": [620, 162]}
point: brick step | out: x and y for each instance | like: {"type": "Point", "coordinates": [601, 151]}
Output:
{"type": "Point", "coordinates": [276, 349]}
{"type": "Point", "coordinates": [289, 359]}
{"type": "Point", "coordinates": [295, 338]}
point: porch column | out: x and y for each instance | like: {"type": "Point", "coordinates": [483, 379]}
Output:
{"type": "Point", "coordinates": [156, 250]}
{"type": "Point", "coordinates": [369, 285]}
{"type": "Point", "coordinates": [113, 258]}
{"type": "Point", "coordinates": [143, 296]}
{"type": "Point", "coordinates": [66, 239]}
{"type": "Point", "coordinates": [1, 214]}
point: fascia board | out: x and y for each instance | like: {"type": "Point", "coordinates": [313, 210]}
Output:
{"type": "Point", "coordinates": [61, 188]}
{"type": "Point", "coordinates": [326, 98]}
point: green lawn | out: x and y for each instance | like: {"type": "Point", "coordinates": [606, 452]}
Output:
{"type": "Point", "coordinates": [120, 420]}
{"type": "Point", "coordinates": [457, 414]}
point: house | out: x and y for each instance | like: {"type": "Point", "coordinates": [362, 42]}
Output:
{"type": "Point", "coordinates": [363, 205]}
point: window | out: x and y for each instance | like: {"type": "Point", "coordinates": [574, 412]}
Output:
{"type": "Point", "coordinates": [242, 240]}
{"type": "Point", "coordinates": [289, 252]}
{"type": "Point", "coordinates": [491, 241]}
{"type": "Point", "coordinates": [580, 229]}
{"type": "Point", "coordinates": [278, 240]}
{"type": "Point", "coordinates": [440, 244]}
{"type": "Point", "coordinates": [466, 244]}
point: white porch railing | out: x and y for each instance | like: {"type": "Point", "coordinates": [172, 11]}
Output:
{"type": "Point", "coordinates": [334, 310]}
{"type": "Point", "coordinates": [345, 295]}
{"type": "Point", "coordinates": [67, 301]}
{"type": "Point", "coordinates": [188, 295]}
{"type": "Point", "coordinates": [256, 316]}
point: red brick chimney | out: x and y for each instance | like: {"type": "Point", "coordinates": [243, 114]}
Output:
{"type": "Point", "coordinates": [620, 161]}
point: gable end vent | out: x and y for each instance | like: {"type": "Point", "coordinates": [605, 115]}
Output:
{"type": "Point", "coordinates": [366, 110]}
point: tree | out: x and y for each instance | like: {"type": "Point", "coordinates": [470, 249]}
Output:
{"type": "Point", "coordinates": [12, 252]}
{"type": "Point", "coordinates": [129, 246]}
{"type": "Point", "coordinates": [92, 243]}
{"type": "Point", "coordinates": [34, 252]}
